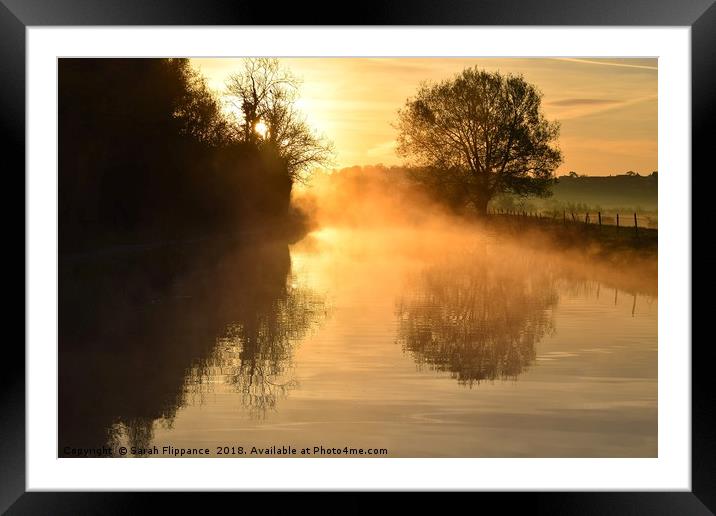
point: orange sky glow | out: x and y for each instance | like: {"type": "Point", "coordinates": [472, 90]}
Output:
{"type": "Point", "coordinates": [607, 107]}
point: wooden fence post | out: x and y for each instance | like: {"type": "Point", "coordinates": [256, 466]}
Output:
{"type": "Point", "coordinates": [617, 220]}
{"type": "Point", "coordinates": [636, 226]}
{"type": "Point", "coordinates": [599, 214]}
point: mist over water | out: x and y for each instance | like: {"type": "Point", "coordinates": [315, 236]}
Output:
{"type": "Point", "coordinates": [392, 324]}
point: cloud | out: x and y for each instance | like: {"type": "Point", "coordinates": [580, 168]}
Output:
{"type": "Point", "coordinates": [571, 108]}
{"type": "Point", "coordinates": [382, 148]}
{"type": "Point", "coordinates": [607, 63]}
{"type": "Point", "coordinates": [583, 102]}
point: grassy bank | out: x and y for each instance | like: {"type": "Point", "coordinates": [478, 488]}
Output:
{"type": "Point", "coordinates": [605, 241]}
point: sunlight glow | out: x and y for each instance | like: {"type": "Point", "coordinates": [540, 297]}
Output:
{"type": "Point", "coordinates": [261, 128]}
{"type": "Point", "coordinates": [610, 103]}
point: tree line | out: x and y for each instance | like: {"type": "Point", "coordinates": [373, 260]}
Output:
{"type": "Point", "coordinates": [148, 152]}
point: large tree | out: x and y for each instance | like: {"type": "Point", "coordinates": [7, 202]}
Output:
{"type": "Point", "coordinates": [483, 133]}
{"type": "Point", "coordinates": [264, 94]}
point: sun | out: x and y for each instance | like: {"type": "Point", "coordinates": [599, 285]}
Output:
{"type": "Point", "coordinates": [261, 128]}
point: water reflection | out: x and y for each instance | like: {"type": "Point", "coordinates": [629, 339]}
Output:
{"type": "Point", "coordinates": [254, 352]}
{"type": "Point", "coordinates": [478, 315]}
{"type": "Point", "coordinates": [204, 347]}
{"type": "Point", "coordinates": [143, 334]}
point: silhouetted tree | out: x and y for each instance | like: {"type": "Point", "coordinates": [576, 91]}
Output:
{"type": "Point", "coordinates": [196, 109]}
{"type": "Point", "coordinates": [484, 132]}
{"type": "Point", "coordinates": [265, 94]}
{"type": "Point", "coordinates": [146, 152]}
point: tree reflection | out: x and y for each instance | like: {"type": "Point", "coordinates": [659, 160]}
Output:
{"type": "Point", "coordinates": [478, 316]}
{"type": "Point", "coordinates": [254, 353]}
{"type": "Point", "coordinates": [138, 335]}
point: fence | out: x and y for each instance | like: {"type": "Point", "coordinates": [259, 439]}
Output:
{"type": "Point", "coordinates": [632, 220]}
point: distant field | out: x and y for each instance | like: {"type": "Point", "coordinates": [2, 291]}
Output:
{"type": "Point", "coordinates": [608, 195]}
{"type": "Point", "coordinates": [637, 192]}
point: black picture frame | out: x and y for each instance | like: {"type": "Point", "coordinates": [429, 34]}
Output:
{"type": "Point", "coordinates": [17, 15]}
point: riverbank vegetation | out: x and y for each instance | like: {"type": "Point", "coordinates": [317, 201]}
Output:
{"type": "Point", "coordinates": [147, 152]}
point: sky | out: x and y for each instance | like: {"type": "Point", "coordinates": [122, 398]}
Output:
{"type": "Point", "coordinates": [607, 107]}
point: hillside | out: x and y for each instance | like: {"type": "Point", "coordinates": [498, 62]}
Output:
{"type": "Point", "coordinates": [620, 191]}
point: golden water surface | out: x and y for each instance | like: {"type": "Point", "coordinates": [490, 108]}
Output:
{"type": "Point", "coordinates": [424, 343]}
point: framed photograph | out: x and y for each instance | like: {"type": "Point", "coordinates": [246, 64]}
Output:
{"type": "Point", "coordinates": [424, 249]}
